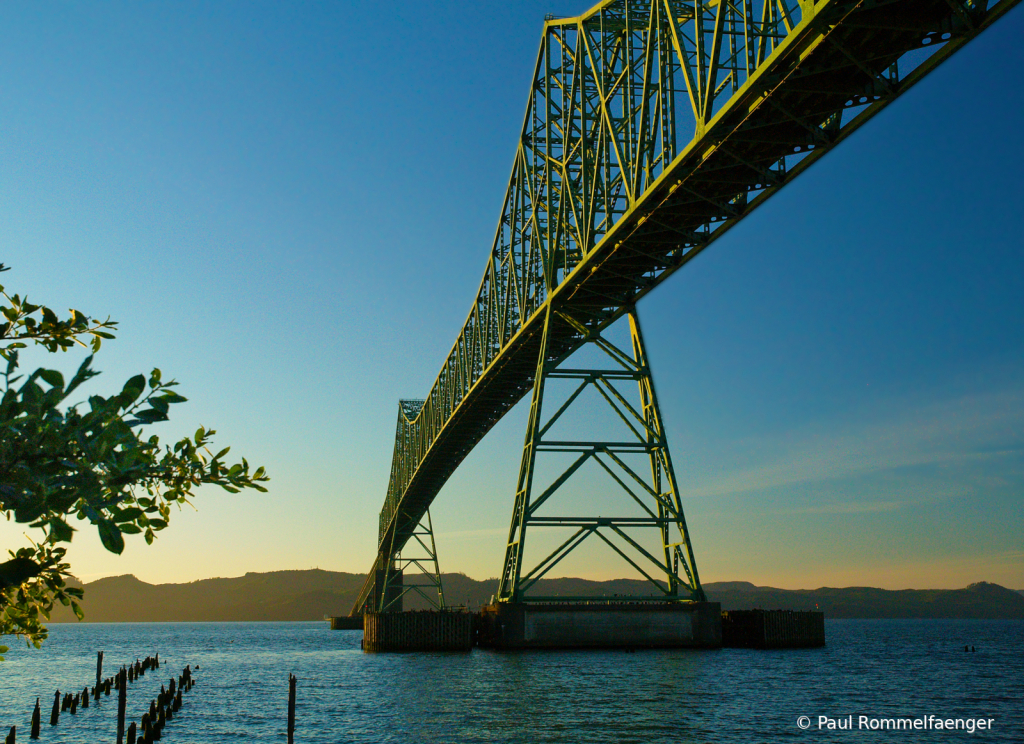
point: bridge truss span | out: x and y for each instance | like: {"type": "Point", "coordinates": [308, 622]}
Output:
{"type": "Point", "coordinates": [651, 129]}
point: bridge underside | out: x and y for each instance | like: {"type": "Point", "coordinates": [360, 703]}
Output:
{"type": "Point", "coordinates": [610, 194]}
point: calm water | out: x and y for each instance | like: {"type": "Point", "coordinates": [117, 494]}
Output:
{"type": "Point", "coordinates": [878, 668]}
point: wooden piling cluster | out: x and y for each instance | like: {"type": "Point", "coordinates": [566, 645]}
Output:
{"type": "Point", "coordinates": [418, 631]}
{"type": "Point", "coordinates": [71, 702]}
{"type": "Point", "coordinates": [161, 710]}
{"type": "Point", "coordinates": [772, 629]}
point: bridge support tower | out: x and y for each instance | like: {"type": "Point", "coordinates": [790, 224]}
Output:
{"type": "Point", "coordinates": [413, 569]}
{"type": "Point", "coordinates": [668, 564]}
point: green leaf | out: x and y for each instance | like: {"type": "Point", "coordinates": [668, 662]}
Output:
{"type": "Point", "coordinates": [148, 416]}
{"type": "Point", "coordinates": [128, 515]}
{"type": "Point", "coordinates": [78, 611]}
{"type": "Point", "coordinates": [133, 388]}
{"type": "Point", "coordinates": [83, 374]}
{"type": "Point", "coordinates": [111, 536]}
{"type": "Point", "coordinates": [60, 531]}
{"type": "Point", "coordinates": [52, 377]}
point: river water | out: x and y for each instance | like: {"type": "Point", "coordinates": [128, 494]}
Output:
{"type": "Point", "coordinates": [874, 668]}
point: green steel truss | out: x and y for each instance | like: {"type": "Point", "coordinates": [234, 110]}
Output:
{"type": "Point", "coordinates": [420, 553]}
{"type": "Point", "coordinates": [651, 129]}
{"type": "Point", "coordinates": [656, 495]}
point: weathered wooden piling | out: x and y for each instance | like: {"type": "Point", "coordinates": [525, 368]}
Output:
{"type": "Point", "coordinates": [36, 714]}
{"type": "Point", "coordinates": [99, 667]}
{"type": "Point", "coordinates": [292, 682]}
{"type": "Point", "coordinates": [10, 736]}
{"type": "Point", "coordinates": [55, 712]}
{"type": "Point", "coordinates": [122, 704]}
{"type": "Point", "coordinates": [131, 733]}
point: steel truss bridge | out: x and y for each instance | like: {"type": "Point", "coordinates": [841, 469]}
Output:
{"type": "Point", "coordinates": [651, 129]}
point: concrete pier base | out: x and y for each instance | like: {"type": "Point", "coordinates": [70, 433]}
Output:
{"type": "Point", "coordinates": [347, 623]}
{"type": "Point", "coordinates": [619, 625]}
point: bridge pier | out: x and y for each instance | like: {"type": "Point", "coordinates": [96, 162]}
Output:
{"type": "Point", "coordinates": [601, 625]}
{"type": "Point", "coordinates": [418, 631]}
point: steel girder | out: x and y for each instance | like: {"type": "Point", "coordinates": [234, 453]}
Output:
{"type": "Point", "coordinates": [651, 129]}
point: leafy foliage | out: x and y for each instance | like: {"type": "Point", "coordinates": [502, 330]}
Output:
{"type": "Point", "coordinates": [89, 460]}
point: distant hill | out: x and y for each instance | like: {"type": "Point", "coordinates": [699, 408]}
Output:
{"type": "Point", "coordinates": [280, 595]}
{"type": "Point", "coordinates": [314, 594]}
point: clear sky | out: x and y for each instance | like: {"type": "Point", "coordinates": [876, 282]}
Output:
{"type": "Point", "coordinates": [288, 208]}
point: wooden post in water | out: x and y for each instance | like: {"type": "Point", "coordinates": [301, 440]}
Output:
{"type": "Point", "coordinates": [34, 731]}
{"type": "Point", "coordinates": [292, 680]}
{"type": "Point", "coordinates": [10, 736]}
{"type": "Point", "coordinates": [99, 667]}
{"type": "Point", "coordinates": [122, 703]}
{"type": "Point", "coordinates": [55, 712]}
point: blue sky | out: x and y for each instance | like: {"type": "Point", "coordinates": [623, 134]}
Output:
{"type": "Point", "coordinates": [288, 209]}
